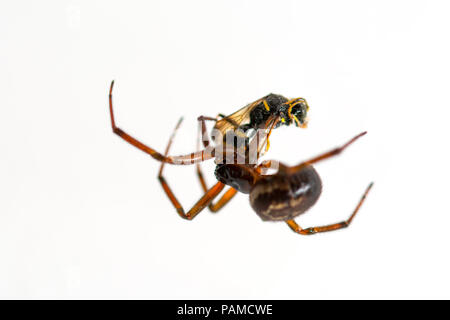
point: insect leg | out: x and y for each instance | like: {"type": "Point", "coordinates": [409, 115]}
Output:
{"type": "Point", "coordinates": [268, 135]}
{"type": "Point", "coordinates": [336, 226]}
{"type": "Point", "coordinates": [265, 138]}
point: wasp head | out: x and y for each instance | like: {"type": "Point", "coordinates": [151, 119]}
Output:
{"type": "Point", "coordinates": [295, 111]}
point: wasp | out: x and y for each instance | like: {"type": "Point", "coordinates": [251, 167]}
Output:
{"type": "Point", "coordinates": [270, 111]}
{"type": "Point", "coordinates": [281, 196]}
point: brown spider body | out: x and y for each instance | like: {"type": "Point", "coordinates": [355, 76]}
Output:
{"type": "Point", "coordinates": [284, 195]}
{"type": "Point", "coordinates": [278, 197]}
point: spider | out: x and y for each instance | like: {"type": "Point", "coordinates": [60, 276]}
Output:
{"type": "Point", "coordinates": [281, 196]}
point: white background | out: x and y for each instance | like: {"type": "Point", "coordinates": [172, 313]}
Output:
{"type": "Point", "coordinates": [82, 214]}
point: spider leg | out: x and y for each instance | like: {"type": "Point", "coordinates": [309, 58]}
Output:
{"type": "Point", "coordinates": [202, 129]}
{"type": "Point", "coordinates": [326, 155]}
{"type": "Point", "coordinates": [224, 200]}
{"type": "Point", "coordinates": [336, 226]}
{"type": "Point", "coordinates": [202, 123]}
{"type": "Point", "coordinates": [202, 136]}
{"type": "Point", "coordinates": [265, 165]}
{"type": "Point", "coordinates": [231, 192]}
{"type": "Point", "coordinates": [204, 201]}
{"type": "Point", "coordinates": [191, 158]}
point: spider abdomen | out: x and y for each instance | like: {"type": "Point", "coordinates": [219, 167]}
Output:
{"type": "Point", "coordinates": [282, 197]}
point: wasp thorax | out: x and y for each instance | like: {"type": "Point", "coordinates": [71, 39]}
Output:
{"type": "Point", "coordinates": [270, 106]}
{"type": "Point", "coordinates": [284, 196]}
{"type": "Point", "coordinates": [274, 101]}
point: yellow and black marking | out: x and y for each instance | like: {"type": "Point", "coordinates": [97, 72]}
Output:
{"type": "Point", "coordinates": [292, 116]}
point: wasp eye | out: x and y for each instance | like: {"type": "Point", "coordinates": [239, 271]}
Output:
{"type": "Point", "coordinates": [299, 112]}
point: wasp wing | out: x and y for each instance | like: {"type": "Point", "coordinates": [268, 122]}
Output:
{"type": "Point", "coordinates": [236, 119]}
